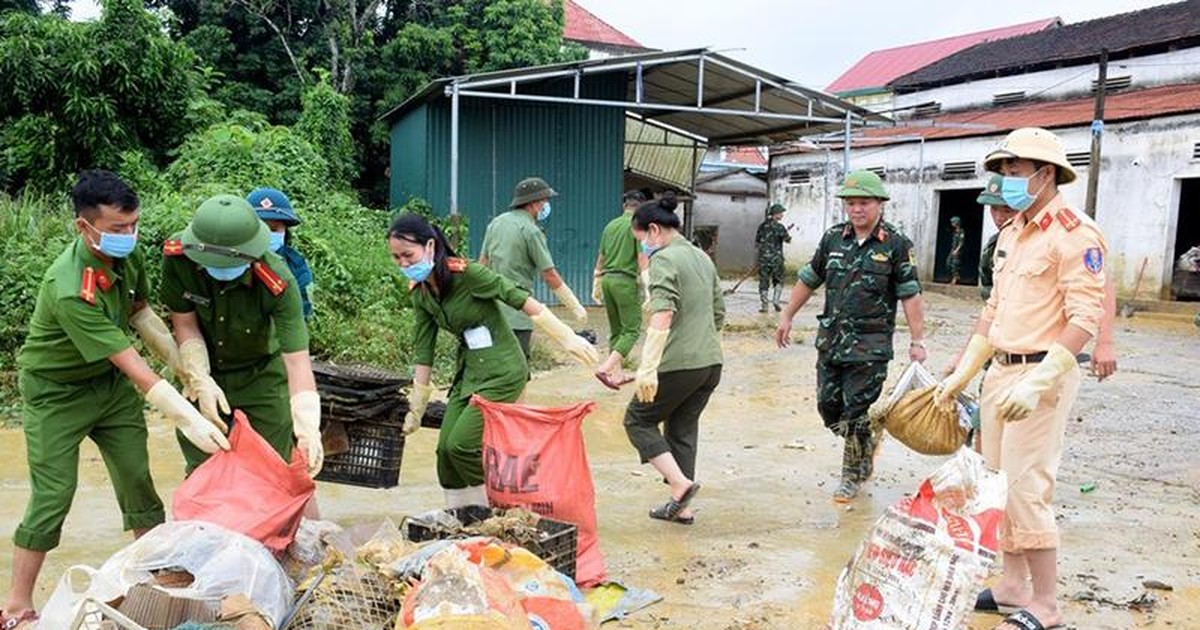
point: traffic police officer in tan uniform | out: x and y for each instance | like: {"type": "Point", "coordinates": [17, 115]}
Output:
{"type": "Point", "coordinates": [1047, 303]}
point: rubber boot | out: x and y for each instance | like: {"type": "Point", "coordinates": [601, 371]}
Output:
{"type": "Point", "coordinates": [454, 497]}
{"type": "Point", "coordinates": [474, 495]}
{"type": "Point", "coordinates": [778, 294]}
{"type": "Point", "coordinates": [851, 469]}
{"type": "Point", "coordinates": [869, 447]}
{"type": "Point", "coordinates": [762, 295]}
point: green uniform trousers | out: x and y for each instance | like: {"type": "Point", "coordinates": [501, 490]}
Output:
{"type": "Point", "coordinates": [846, 391]}
{"type": "Point", "coordinates": [770, 273]}
{"type": "Point", "coordinates": [261, 392]}
{"type": "Point", "coordinates": [524, 337]}
{"type": "Point", "coordinates": [460, 440]}
{"type": "Point", "coordinates": [58, 416]}
{"type": "Point", "coordinates": [622, 303]}
{"type": "Point", "coordinates": [682, 396]}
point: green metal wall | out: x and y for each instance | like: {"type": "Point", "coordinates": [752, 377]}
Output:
{"type": "Point", "coordinates": [578, 149]}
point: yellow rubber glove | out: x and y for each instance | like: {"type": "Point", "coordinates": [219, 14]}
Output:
{"type": "Point", "coordinates": [645, 278]}
{"type": "Point", "coordinates": [977, 353]}
{"type": "Point", "coordinates": [575, 345]}
{"type": "Point", "coordinates": [647, 373]}
{"type": "Point", "coordinates": [568, 299]}
{"type": "Point", "coordinates": [153, 331]}
{"type": "Point", "coordinates": [306, 426]}
{"type": "Point", "coordinates": [597, 290]}
{"type": "Point", "coordinates": [418, 400]}
{"type": "Point", "coordinates": [199, 384]}
{"type": "Point", "coordinates": [196, 428]}
{"type": "Point", "coordinates": [1023, 398]}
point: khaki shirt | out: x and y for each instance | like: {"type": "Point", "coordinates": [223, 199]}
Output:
{"type": "Point", "coordinates": [684, 281]}
{"type": "Point", "coordinates": [1049, 272]}
{"type": "Point", "coordinates": [515, 247]}
{"type": "Point", "coordinates": [82, 314]}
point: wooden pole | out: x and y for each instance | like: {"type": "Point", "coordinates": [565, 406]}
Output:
{"type": "Point", "coordinates": [1093, 181]}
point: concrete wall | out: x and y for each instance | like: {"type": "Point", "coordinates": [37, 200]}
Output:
{"type": "Point", "coordinates": [736, 221]}
{"type": "Point", "coordinates": [1138, 198]}
{"type": "Point", "coordinates": [1178, 66]}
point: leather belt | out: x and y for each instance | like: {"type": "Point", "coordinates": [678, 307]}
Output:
{"type": "Point", "coordinates": [1006, 358]}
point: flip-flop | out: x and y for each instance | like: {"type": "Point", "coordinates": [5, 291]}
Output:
{"type": "Point", "coordinates": [1024, 620]}
{"type": "Point", "coordinates": [26, 616]}
{"type": "Point", "coordinates": [611, 384]}
{"type": "Point", "coordinates": [670, 510]}
{"type": "Point", "coordinates": [986, 602]}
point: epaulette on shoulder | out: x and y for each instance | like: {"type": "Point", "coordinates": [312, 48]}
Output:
{"type": "Point", "coordinates": [173, 247]}
{"type": "Point", "coordinates": [1068, 219]}
{"type": "Point", "coordinates": [268, 277]}
{"type": "Point", "coordinates": [457, 265]}
{"type": "Point", "coordinates": [87, 286]}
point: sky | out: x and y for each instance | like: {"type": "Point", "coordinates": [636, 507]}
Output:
{"type": "Point", "coordinates": [812, 42]}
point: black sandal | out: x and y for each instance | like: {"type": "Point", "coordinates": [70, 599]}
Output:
{"type": "Point", "coordinates": [670, 510]}
{"type": "Point", "coordinates": [986, 602]}
{"type": "Point", "coordinates": [1024, 620]}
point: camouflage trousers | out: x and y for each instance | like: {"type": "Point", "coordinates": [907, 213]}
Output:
{"type": "Point", "coordinates": [954, 264]}
{"type": "Point", "coordinates": [769, 273]}
{"type": "Point", "coordinates": [845, 391]}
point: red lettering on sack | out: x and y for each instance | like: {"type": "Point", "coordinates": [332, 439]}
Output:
{"type": "Point", "coordinates": [868, 603]}
{"type": "Point", "coordinates": [989, 528]}
{"type": "Point", "coordinates": [960, 531]}
{"type": "Point", "coordinates": [510, 473]}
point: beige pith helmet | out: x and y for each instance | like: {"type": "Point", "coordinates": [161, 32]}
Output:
{"type": "Point", "coordinates": [1033, 143]}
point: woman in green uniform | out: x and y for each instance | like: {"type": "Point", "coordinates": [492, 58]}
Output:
{"type": "Point", "coordinates": [615, 285]}
{"type": "Point", "coordinates": [681, 358]}
{"type": "Point", "coordinates": [464, 299]}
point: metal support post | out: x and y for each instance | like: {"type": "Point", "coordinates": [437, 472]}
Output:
{"type": "Point", "coordinates": [454, 149]}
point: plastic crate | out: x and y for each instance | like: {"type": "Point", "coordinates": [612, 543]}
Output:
{"type": "Point", "coordinates": [357, 376]}
{"type": "Point", "coordinates": [557, 547]}
{"type": "Point", "coordinates": [373, 461]}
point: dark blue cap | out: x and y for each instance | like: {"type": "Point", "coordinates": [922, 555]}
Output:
{"type": "Point", "coordinates": [272, 205]}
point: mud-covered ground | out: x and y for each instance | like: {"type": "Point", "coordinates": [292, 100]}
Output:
{"type": "Point", "coordinates": [768, 544]}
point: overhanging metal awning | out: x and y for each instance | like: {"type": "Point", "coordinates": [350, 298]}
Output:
{"type": "Point", "coordinates": [703, 93]}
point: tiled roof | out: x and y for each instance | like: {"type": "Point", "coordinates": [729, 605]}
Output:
{"type": "Point", "coordinates": [880, 67]}
{"type": "Point", "coordinates": [1156, 29]}
{"type": "Point", "coordinates": [582, 26]}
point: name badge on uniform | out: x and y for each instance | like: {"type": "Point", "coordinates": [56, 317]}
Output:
{"type": "Point", "coordinates": [879, 257]}
{"type": "Point", "coordinates": [196, 299]}
{"type": "Point", "coordinates": [478, 338]}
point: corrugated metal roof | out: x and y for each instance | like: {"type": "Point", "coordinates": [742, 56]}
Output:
{"type": "Point", "coordinates": [582, 25]}
{"type": "Point", "coordinates": [1157, 28]}
{"type": "Point", "coordinates": [1150, 103]}
{"type": "Point", "coordinates": [660, 154]}
{"type": "Point", "coordinates": [880, 67]}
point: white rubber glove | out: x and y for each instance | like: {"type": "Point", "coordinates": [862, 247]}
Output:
{"type": "Point", "coordinates": [597, 290]}
{"type": "Point", "coordinates": [647, 373]}
{"type": "Point", "coordinates": [1023, 398]}
{"type": "Point", "coordinates": [154, 333]}
{"type": "Point", "coordinates": [977, 352]}
{"type": "Point", "coordinates": [195, 427]}
{"type": "Point", "coordinates": [568, 299]}
{"type": "Point", "coordinates": [575, 345]}
{"type": "Point", "coordinates": [306, 426]}
{"type": "Point", "coordinates": [418, 400]}
{"type": "Point", "coordinates": [198, 381]}
{"type": "Point", "coordinates": [645, 278]}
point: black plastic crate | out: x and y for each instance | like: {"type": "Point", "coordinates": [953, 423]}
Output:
{"type": "Point", "coordinates": [557, 547]}
{"type": "Point", "coordinates": [373, 461]}
{"type": "Point", "coordinates": [357, 376]}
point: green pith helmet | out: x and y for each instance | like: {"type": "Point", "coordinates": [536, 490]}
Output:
{"type": "Point", "coordinates": [955, 221]}
{"type": "Point", "coordinates": [863, 184]}
{"type": "Point", "coordinates": [775, 208]}
{"type": "Point", "coordinates": [225, 232]}
{"type": "Point", "coordinates": [531, 189]}
{"type": "Point", "coordinates": [991, 192]}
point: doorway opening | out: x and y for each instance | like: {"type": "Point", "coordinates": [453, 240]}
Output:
{"type": "Point", "coordinates": [1185, 279]}
{"type": "Point", "coordinates": [961, 204]}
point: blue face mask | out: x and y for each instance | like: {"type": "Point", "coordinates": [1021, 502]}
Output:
{"type": "Point", "coordinates": [115, 245]}
{"type": "Point", "coordinates": [418, 271]}
{"type": "Point", "coordinates": [1015, 192]}
{"type": "Point", "coordinates": [276, 240]}
{"type": "Point", "coordinates": [649, 249]}
{"type": "Point", "coordinates": [225, 274]}
{"type": "Point", "coordinates": [544, 213]}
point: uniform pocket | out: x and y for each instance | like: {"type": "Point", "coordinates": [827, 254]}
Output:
{"type": "Point", "coordinates": [1033, 281]}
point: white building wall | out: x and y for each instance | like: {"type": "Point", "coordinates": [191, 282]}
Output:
{"type": "Point", "coordinates": [1138, 197]}
{"type": "Point", "coordinates": [1180, 66]}
{"type": "Point", "coordinates": [736, 205]}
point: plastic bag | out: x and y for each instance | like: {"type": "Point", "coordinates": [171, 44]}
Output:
{"type": "Point", "coordinates": [222, 562]}
{"type": "Point", "coordinates": [915, 376]}
{"type": "Point", "coordinates": [927, 556]}
{"type": "Point", "coordinates": [925, 427]}
{"type": "Point", "coordinates": [534, 457]}
{"type": "Point", "coordinates": [248, 489]}
{"type": "Point", "coordinates": [550, 599]}
{"type": "Point", "coordinates": [457, 593]}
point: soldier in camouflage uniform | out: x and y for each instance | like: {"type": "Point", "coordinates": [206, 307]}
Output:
{"type": "Point", "coordinates": [769, 240]}
{"type": "Point", "coordinates": [954, 258]}
{"type": "Point", "coordinates": [867, 266]}
{"type": "Point", "coordinates": [1001, 215]}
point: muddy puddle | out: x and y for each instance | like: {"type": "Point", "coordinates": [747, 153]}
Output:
{"type": "Point", "coordinates": [768, 544]}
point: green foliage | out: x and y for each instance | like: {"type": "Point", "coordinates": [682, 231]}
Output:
{"type": "Point", "coordinates": [325, 124]}
{"type": "Point", "coordinates": [33, 231]}
{"type": "Point", "coordinates": [456, 228]}
{"type": "Point", "coordinates": [76, 95]}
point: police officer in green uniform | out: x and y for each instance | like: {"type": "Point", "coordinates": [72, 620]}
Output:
{"type": "Point", "coordinates": [615, 285]}
{"type": "Point", "coordinates": [954, 258]}
{"type": "Point", "coordinates": [866, 265]}
{"type": "Point", "coordinates": [681, 358]}
{"type": "Point", "coordinates": [515, 247]}
{"type": "Point", "coordinates": [769, 240]}
{"type": "Point", "coordinates": [80, 377]}
{"type": "Point", "coordinates": [237, 317]}
{"type": "Point", "coordinates": [464, 299]}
